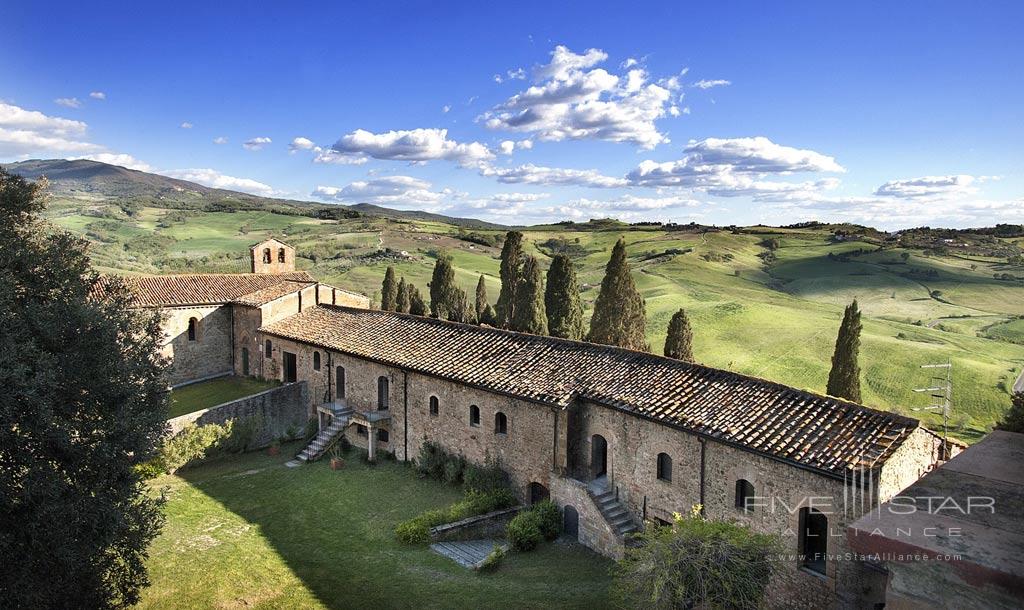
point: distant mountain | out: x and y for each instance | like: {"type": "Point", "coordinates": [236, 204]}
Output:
{"type": "Point", "coordinates": [91, 180]}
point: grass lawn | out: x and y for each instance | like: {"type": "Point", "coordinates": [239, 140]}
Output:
{"type": "Point", "coordinates": [246, 531]}
{"type": "Point", "coordinates": [206, 394]}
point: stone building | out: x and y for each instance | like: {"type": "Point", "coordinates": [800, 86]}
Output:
{"type": "Point", "coordinates": [615, 437]}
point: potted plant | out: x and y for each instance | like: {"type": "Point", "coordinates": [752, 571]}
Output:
{"type": "Point", "coordinates": [337, 462]}
{"type": "Point", "coordinates": [274, 448]}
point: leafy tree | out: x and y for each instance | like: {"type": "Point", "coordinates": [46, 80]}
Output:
{"type": "Point", "coordinates": [481, 299]}
{"type": "Point", "coordinates": [84, 404]}
{"type": "Point", "coordinates": [389, 291]}
{"type": "Point", "coordinates": [696, 563]}
{"type": "Point", "coordinates": [1013, 420]}
{"type": "Point", "coordinates": [844, 378]}
{"type": "Point", "coordinates": [447, 300]}
{"type": "Point", "coordinates": [562, 300]}
{"type": "Point", "coordinates": [679, 342]}
{"type": "Point", "coordinates": [511, 268]}
{"type": "Point", "coordinates": [529, 316]}
{"type": "Point", "coordinates": [402, 298]}
{"type": "Point", "coordinates": [417, 306]}
{"type": "Point", "coordinates": [619, 312]}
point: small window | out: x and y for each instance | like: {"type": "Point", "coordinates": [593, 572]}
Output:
{"type": "Point", "coordinates": [268, 349]}
{"type": "Point", "coordinates": [435, 406]}
{"type": "Point", "coordinates": [361, 430]}
{"type": "Point", "coordinates": [813, 540]}
{"type": "Point", "coordinates": [382, 393]}
{"type": "Point", "coordinates": [474, 415]}
{"type": "Point", "coordinates": [280, 255]}
{"type": "Point", "coordinates": [500, 423]}
{"type": "Point", "coordinates": [744, 493]}
{"type": "Point", "coordinates": [664, 467]}
{"type": "Point", "coordinates": [382, 436]}
{"type": "Point", "coordinates": [339, 381]}
{"type": "Point", "coordinates": [193, 325]}
{"type": "Point", "coordinates": [266, 255]}
{"type": "Point", "coordinates": [316, 361]}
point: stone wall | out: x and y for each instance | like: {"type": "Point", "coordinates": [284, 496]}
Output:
{"type": "Point", "coordinates": [209, 354]}
{"type": "Point", "coordinates": [918, 455]}
{"type": "Point", "coordinates": [280, 411]}
{"type": "Point", "coordinates": [594, 530]}
{"type": "Point", "coordinates": [488, 525]}
{"type": "Point", "coordinates": [330, 295]}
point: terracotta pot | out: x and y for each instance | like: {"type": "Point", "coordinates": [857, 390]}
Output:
{"type": "Point", "coordinates": [274, 450]}
{"type": "Point", "coordinates": [337, 463]}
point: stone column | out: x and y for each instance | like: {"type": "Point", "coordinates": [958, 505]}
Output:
{"type": "Point", "coordinates": [371, 443]}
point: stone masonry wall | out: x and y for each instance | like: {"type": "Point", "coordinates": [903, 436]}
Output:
{"type": "Point", "coordinates": [917, 456]}
{"type": "Point", "coordinates": [281, 411]}
{"type": "Point", "coordinates": [209, 354]}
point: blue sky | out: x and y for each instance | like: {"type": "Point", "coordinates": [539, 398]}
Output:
{"type": "Point", "coordinates": [891, 114]}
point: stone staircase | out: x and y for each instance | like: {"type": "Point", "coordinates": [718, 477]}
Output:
{"type": "Point", "coordinates": [316, 448]}
{"type": "Point", "coordinates": [614, 512]}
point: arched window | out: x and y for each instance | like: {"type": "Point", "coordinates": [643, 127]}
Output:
{"type": "Point", "coordinates": [339, 381]}
{"type": "Point", "coordinates": [268, 349]}
{"type": "Point", "coordinates": [500, 423]}
{"type": "Point", "coordinates": [266, 255]}
{"type": "Point", "coordinates": [744, 494]}
{"type": "Point", "coordinates": [382, 393]}
{"type": "Point", "coordinates": [316, 361]}
{"type": "Point", "coordinates": [245, 360]}
{"type": "Point", "coordinates": [813, 539]}
{"type": "Point", "coordinates": [193, 328]}
{"type": "Point", "coordinates": [664, 467]}
{"type": "Point", "coordinates": [280, 255]}
{"type": "Point", "coordinates": [474, 415]}
{"type": "Point", "coordinates": [435, 406]}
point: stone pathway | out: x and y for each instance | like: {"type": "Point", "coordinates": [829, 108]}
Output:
{"type": "Point", "coordinates": [467, 553]}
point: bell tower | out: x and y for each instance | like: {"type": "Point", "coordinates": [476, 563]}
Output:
{"type": "Point", "coordinates": [272, 256]}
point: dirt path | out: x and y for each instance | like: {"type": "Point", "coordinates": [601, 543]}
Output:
{"type": "Point", "coordinates": [1018, 386]}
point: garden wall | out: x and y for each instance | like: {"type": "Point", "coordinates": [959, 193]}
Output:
{"type": "Point", "coordinates": [489, 525]}
{"type": "Point", "coordinates": [280, 411]}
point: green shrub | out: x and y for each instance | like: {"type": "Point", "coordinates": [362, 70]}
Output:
{"type": "Point", "coordinates": [244, 433]}
{"type": "Point", "coordinates": [523, 531]}
{"type": "Point", "coordinates": [417, 529]}
{"type": "Point", "coordinates": [493, 559]}
{"type": "Point", "coordinates": [193, 443]}
{"type": "Point", "coordinates": [549, 518]}
{"type": "Point", "coordinates": [454, 466]}
{"type": "Point", "coordinates": [431, 461]}
{"type": "Point", "coordinates": [486, 478]}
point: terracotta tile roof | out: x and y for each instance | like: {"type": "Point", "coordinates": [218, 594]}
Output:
{"type": "Point", "coordinates": [268, 294]}
{"type": "Point", "coordinates": [201, 288]}
{"type": "Point", "coordinates": [816, 431]}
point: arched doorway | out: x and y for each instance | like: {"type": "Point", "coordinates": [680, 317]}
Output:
{"type": "Point", "coordinates": [538, 493]}
{"type": "Point", "coordinates": [571, 523]}
{"type": "Point", "coordinates": [598, 456]}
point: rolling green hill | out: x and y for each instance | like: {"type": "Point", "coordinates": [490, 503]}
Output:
{"type": "Point", "coordinates": [763, 301]}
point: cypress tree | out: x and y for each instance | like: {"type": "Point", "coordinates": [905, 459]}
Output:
{"type": "Point", "coordinates": [402, 301]}
{"type": "Point", "coordinates": [481, 299]}
{"type": "Point", "coordinates": [619, 312]}
{"type": "Point", "coordinates": [443, 291]}
{"type": "Point", "coordinates": [417, 306]}
{"type": "Point", "coordinates": [460, 310]}
{"type": "Point", "coordinates": [528, 311]}
{"type": "Point", "coordinates": [679, 342]}
{"type": "Point", "coordinates": [389, 291]}
{"type": "Point", "coordinates": [489, 316]}
{"type": "Point", "coordinates": [844, 378]}
{"type": "Point", "coordinates": [562, 300]}
{"type": "Point", "coordinates": [511, 268]}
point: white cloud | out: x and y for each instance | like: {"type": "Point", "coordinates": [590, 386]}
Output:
{"type": "Point", "coordinates": [446, 108]}
{"type": "Point", "coordinates": [214, 179]}
{"type": "Point", "coordinates": [185, 125]}
{"type": "Point", "coordinates": [572, 101]}
{"type": "Point", "coordinates": [256, 143]}
{"type": "Point", "coordinates": [709, 84]}
{"type": "Point", "coordinates": [633, 203]}
{"type": "Point", "coordinates": [98, 95]}
{"type": "Point", "coordinates": [301, 143]}
{"type": "Point", "coordinates": [550, 176]}
{"type": "Point", "coordinates": [220, 140]}
{"type": "Point", "coordinates": [68, 102]}
{"type": "Point", "coordinates": [120, 159]}
{"type": "Point", "coordinates": [928, 186]}
{"type": "Point", "coordinates": [328, 156]}
{"type": "Point", "coordinates": [524, 144]}
{"type": "Point", "coordinates": [26, 132]}
{"type": "Point", "coordinates": [507, 146]}
{"type": "Point", "coordinates": [396, 191]}
{"type": "Point", "coordinates": [737, 166]}
{"type": "Point", "coordinates": [416, 145]}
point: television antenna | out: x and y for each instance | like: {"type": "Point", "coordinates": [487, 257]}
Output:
{"type": "Point", "coordinates": [942, 397]}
